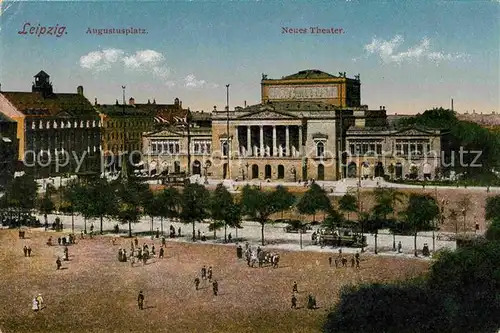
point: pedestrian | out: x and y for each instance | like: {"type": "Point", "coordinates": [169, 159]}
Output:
{"type": "Point", "coordinates": [353, 261]}
{"type": "Point", "coordinates": [34, 305]}
{"type": "Point", "coordinates": [153, 249]}
{"type": "Point", "coordinates": [161, 253]}
{"type": "Point", "coordinates": [58, 262]}
{"type": "Point", "coordinates": [336, 263]}
{"type": "Point", "coordinates": [199, 234]}
{"type": "Point", "coordinates": [204, 272]}
{"type": "Point", "coordinates": [25, 250]}
{"type": "Point", "coordinates": [179, 232]}
{"type": "Point", "coordinates": [157, 233]}
{"type": "Point", "coordinates": [209, 274]}
{"type": "Point", "coordinates": [229, 238]}
{"type": "Point", "coordinates": [295, 289]}
{"type": "Point", "coordinates": [344, 262]}
{"type": "Point", "coordinates": [163, 241]}
{"type": "Point", "coordinates": [59, 241]}
{"type": "Point", "coordinates": [136, 242]}
{"type": "Point", "coordinates": [81, 235]}
{"type": "Point", "coordinates": [140, 300]}
{"type": "Point", "coordinates": [330, 261]}
{"type": "Point", "coordinates": [215, 287]}
{"type": "Point", "coordinates": [39, 300]}
{"type": "Point", "coordinates": [400, 246]}
{"type": "Point", "coordinates": [197, 283]}
{"type": "Point", "coordinates": [66, 253]}
{"type": "Point", "coordinates": [294, 302]}
{"type": "Point", "coordinates": [357, 262]}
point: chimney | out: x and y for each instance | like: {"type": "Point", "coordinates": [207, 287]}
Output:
{"type": "Point", "coordinates": [149, 102]}
{"type": "Point", "coordinates": [245, 103]}
{"type": "Point", "coordinates": [383, 108]}
{"type": "Point", "coordinates": [117, 101]}
{"type": "Point", "coordinates": [154, 101]}
{"type": "Point", "coordinates": [131, 101]}
{"type": "Point", "coordinates": [452, 104]}
{"type": "Point", "coordinates": [79, 90]}
{"type": "Point", "coordinates": [215, 108]}
{"type": "Point", "coordinates": [180, 104]}
{"type": "Point", "coordinates": [95, 101]}
{"type": "Point", "coordinates": [380, 107]}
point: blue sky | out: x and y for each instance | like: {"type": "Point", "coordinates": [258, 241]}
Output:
{"type": "Point", "coordinates": [412, 55]}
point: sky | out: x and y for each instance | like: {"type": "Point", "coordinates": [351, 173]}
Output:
{"type": "Point", "coordinates": [411, 55]}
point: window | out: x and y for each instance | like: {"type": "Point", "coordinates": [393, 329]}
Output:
{"type": "Point", "coordinates": [320, 149]}
{"type": "Point", "coordinates": [379, 148]}
{"type": "Point", "coordinates": [351, 149]}
{"type": "Point", "coordinates": [225, 148]}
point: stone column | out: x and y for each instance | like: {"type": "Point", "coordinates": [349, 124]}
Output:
{"type": "Point", "coordinates": [287, 141]}
{"type": "Point", "coordinates": [262, 152]}
{"type": "Point", "coordinates": [275, 149]}
{"type": "Point", "coordinates": [300, 141]}
{"type": "Point", "coordinates": [249, 141]}
{"type": "Point", "coordinates": [236, 141]}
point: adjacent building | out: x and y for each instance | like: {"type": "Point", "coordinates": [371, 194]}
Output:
{"type": "Point", "coordinates": [57, 132]}
{"type": "Point", "coordinates": [8, 150]}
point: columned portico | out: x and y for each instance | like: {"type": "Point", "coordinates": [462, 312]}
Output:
{"type": "Point", "coordinates": [261, 141]}
{"type": "Point", "coordinates": [249, 141]}
{"type": "Point", "coordinates": [275, 148]}
{"type": "Point", "coordinates": [287, 141]}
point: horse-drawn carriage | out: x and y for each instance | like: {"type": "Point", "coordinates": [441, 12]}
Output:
{"type": "Point", "coordinates": [341, 237]}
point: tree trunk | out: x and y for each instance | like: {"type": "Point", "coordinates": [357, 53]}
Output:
{"type": "Point", "coordinates": [130, 229]}
{"type": "Point", "coordinates": [262, 232]}
{"type": "Point", "coordinates": [152, 227]}
{"type": "Point", "coordinates": [376, 234]}
{"type": "Point", "coordinates": [101, 224]}
{"type": "Point", "coordinates": [225, 232]}
{"type": "Point", "coordinates": [415, 244]}
{"type": "Point", "coordinates": [194, 233]}
{"type": "Point", "coordinates": [215, 232]}
{"type": "Point", "coordinates": [85, 224]}
{"type": "Point", "coordinates": [236, 230]}
{"type": "Point", "coordinates": [347, 216]}
{"type": "Point", "coordinates": [161, 224]}
{"type": "Point", "coordinates": [72, 222]}
{"type": "Point", "coordinates": [394, 242]}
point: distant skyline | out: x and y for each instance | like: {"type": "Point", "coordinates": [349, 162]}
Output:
{"type": "Point", "coordinates": [411, 56]}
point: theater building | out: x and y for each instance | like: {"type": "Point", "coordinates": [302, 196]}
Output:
{"type": "Point", "coordinates": [312, 125]}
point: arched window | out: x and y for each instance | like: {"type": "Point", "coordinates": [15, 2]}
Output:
{"type": "Point", "coordinates": [320, 149]}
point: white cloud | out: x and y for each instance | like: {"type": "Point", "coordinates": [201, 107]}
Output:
{"type": "Point", "coordinates": [387, 50]}
{"type": "Point", "coordinates": [146, 61]}
{"type": "Point", "coordinates": [101, 60]}
{"type": "Point", "coordinates": [191, 82]}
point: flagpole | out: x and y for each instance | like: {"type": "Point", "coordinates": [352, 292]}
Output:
{"type": "Point", "coordinates": [188, 121]}
{"type": "Point", "coordinates": [227, 133]}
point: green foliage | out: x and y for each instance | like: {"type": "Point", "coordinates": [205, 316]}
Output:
{"type": "Point", "coordinates": [348, 203]}
{"type": "Point", "coordinates": [492, 208]}
{"type": "Point", "coordinates": [221, 204]}
{"type": "Point", "coordinates": [282, 199]}
{"type": "Point", "coordinates": [46, 205]}
{"type": "Point", "coordinates": [102, 200]}
{"type": "Point", "coordinates": [129, 194]}
{"type": "Point", "coordinates": [169, 200]}
{"type": "Point", "coordinates": [195, 204]}
{"type": "Point", "coordinates": [460, 294]}
{"type": "Point", "coordinates": [334, 220]}
{"type": "Point", "coordinates": [22, 193]}
{"type": "Point", "coordinates": [315, 199]}
{"type": "Point", "coordinates": [493, 231]}
{"type": "Point", "coordinates": [421, 211]}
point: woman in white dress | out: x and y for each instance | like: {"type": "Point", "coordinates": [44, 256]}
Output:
{"type": "Point", "coordinates": [35, 304]}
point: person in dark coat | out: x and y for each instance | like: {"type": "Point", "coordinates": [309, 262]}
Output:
{"type": "Point", "coordinates": [25, 250]}
{"type": "Point", "coordinates": [209, 274]}
{"type": "Point", "coordinates": [197, 283]}
{"type": "Point", "coordinates": [203, 272]}
{"type": "Point", "coordinates": [140, 300]}
{"type": "Point", "coordinates": [295, 289]}
{"type": "Point", "coordinates": [215, 287]}
{"type": "Point", "coordinates": [330, 261]}
{"type": "Point", "coordinates": [58, 263]}
{"type": "Point", "coordinates": [161, 253]}
{"type": "Point", "coordinates": [294, 302]}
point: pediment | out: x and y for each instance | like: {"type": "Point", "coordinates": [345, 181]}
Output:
{"type": "Point", "coordinates": [63, 114]}
{"type": "Point", "coordinates": [318, 135]}
{"type": "Point", "coordinates": [413, 132]}
{"type": "Point", "coordinates": [267, 113]}
{"type": "Point", "coordinates": [164, 133]}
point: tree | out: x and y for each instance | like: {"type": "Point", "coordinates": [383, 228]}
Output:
{"type": "Point", "coordinates": [21, 194]}
{"type": "Point", "coordinates": [102, 200]}
{"type": "Point", "coordinates": [421, 210]}
{"type": "Point", "coordinates": [152, 205]}
{"type": "Point", "coordinates": [129, 194]}
{"type": "Point", "coordinates": [465, 204]}
{"type": "Point", "coordinates": [169, 207]}
{"type": "Point", "coordinates": [283, 199]}
{"type": "Point", "coordinates": [71, 196]}
{"type": "Point", "coordinates": [315, 199]}
{"type": "Point", "coordinates": [453, 216]}
{"type": "Point", "coordinates": [385, 202]}
{"type": "Point", "coordinates": [391, 170]}
{"type": "Point", "coordinates": [221, 209]}
{"type": "Point", "coordinates": [257, 205]}
{"type": "Point", "coordinates": [348, 203]}
{"type": "Point", "coordinates": [492, 209]}
{"type": "Point", "coordinates": [46, 205]}
{"type": "Point", "coordinates": [194, 205]}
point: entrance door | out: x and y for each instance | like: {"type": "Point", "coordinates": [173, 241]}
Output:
{"type": "Point", "coordinates": [255, 171]}
{"type": "Point", "coordinates": [321, 172]}
{"type": "Point", "coordinates": [224, 171]}
{"type": "Point", "coordinates": [281, 172]}
{"type": "Point", "coordinates": [196, 167]}
{"type": "Point", "coordinates": [267, 172]}
{"type": "Point", "coordinates": [399, 170]}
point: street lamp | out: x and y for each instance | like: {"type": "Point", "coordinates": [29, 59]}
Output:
{"type": "Point", "coordinates": [207, 165]}
{"type": "Point", "coordinates": [464, 213]}
{"type": "Point", "coordinates": [247, 165]}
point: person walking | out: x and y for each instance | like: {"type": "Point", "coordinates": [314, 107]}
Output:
{"type": "Point", "coordinates": [34, 304]}
{"type": "Point", "coordinates": [204, 272]}
{"type": "Point", "coordinates": [140, 300]}
{"type": "Point", "coordinates": [209, 274]}
{"type": "Point", "coordinates": [294, 301]}
{"type": "Point", "coordinates": [330, 261]}
{"type": "Point", "coordinates": [162, 251]}
{"type": "Point", "coordinates": [197, 283]}
{"type": "Point", "coordinates": [295, 289]}
{"type": "Point", "coordinates": [58, 263]}
{"type": "Point", "coordinates": [400, 246]}
{"type": "Point", "coordinates": [215, 287]}
{"type": "Point", "coordinates": [25, 250]}
{"type": "Point", "coordinates": [39, 300]}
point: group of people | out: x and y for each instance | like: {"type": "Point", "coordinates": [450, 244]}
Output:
{"type": "Point", "coordinates": [27, 251]}
{"type": "Point", "coordinates": [311, 300]}
{"type": "Point", "coordinates": [261, 257]}
{"type": "Point", "coordinates": [207, 275]}
{"type": "Point", "coordinates": [341, 260]}
{"type": "Point", "coordinates": [143, 253]}
{"type": "Point", "coordinates": [37, 303]}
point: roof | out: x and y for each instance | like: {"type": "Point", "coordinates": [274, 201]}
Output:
{"type": "Point", "coordinates": [386, 130]}
{"type": "Point", "coordinates": [33, 103]}
{"type": "Point", "coordinates": [5, 119]}
{"type": "Point", "coordinates": [42, 74]}
{"type": "Point", "coordinates": [121, 109]}
{"type": "Point", "coordinates": [309, 74]}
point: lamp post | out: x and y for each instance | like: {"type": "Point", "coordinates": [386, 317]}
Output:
{"type": "Point", "coordinates": [207, 165]}
{"type": "Point", "coordinates": [464, 213]}
{"type": "Point", "coordinates": [247, 165]}
{"type": "Point", "coordinates": [227, 134]}
{"type": "Point", "coordinates": [300, 231]}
